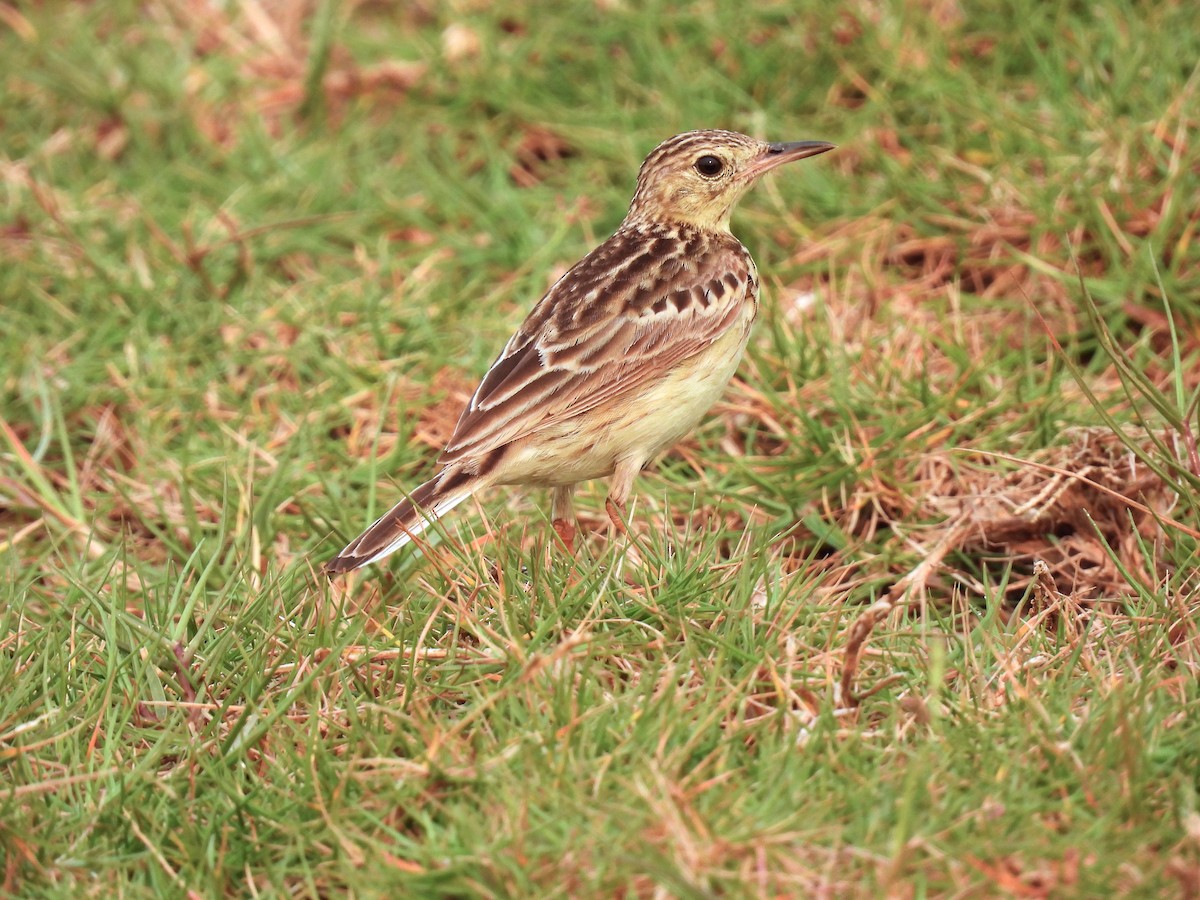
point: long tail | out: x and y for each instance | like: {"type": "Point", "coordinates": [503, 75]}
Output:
{"type": "Point", "coordinates": [402, 523]}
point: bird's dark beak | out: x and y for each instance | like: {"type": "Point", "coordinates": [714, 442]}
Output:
{"type": "Point", "coordinates": [778, 154]}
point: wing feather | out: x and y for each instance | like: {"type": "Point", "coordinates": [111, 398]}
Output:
{"type": "Point", "coordinates": [604, 329]}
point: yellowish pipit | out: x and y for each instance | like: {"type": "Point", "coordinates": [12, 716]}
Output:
{"type": "Point", "coordinates": [622, 356]}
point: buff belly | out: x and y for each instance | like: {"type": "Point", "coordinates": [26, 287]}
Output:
{"type": "Point", "coordinates": [636, 427]}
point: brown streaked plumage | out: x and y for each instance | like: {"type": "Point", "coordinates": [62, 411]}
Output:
{"type": "Point", "coordinates": [622, 356]}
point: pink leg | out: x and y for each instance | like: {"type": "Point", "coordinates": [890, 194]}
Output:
{"type": "Point", "coordinates": [562, 517]}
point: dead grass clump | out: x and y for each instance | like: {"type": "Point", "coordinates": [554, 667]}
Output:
{"type": "Point", "coordinates": [536, 153]}
{"type": "Point", "coordinates": [1067, 532]}
{"type": "Point", "coordinates": [1081, 513]}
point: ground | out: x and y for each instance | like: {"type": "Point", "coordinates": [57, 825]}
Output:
{"type": "Point", "coordinates": [915, 612]}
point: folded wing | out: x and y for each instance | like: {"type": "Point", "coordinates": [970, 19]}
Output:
{"type": "Point", "coordinates": [613, 328]}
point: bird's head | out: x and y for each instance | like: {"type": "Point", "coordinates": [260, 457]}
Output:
{"type": "Point", "coordinates": [696, 178]}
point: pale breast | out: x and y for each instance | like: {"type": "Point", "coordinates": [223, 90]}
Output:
{"type": "Point", "coordinates": [642, 422]}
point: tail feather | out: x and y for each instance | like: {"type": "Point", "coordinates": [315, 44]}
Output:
{"type": "Point", "coordinates": [400, 524]}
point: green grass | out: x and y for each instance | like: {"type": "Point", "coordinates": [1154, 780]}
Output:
{"type": "Point", "coordinates": [247, 273]}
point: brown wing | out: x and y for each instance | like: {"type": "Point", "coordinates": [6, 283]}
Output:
{"type": "Point", "coordinates": [627, 313]}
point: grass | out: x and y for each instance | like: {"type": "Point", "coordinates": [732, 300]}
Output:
{"type": "Point", "coordinates": [914, 613]}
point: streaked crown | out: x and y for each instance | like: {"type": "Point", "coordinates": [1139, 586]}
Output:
{"type": "Point", "coordinates": [696, 178]}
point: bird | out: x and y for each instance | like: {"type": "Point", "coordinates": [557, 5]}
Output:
{"type": "Point", "coordinates": [622, 356]}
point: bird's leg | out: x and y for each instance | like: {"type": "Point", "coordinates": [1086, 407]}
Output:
{"type": "Point", "coordinates": [618, 492]}
{"type": "Point", "coordinates": [614, 511]}
{"type": "Point", "coordinates": [562, 516]}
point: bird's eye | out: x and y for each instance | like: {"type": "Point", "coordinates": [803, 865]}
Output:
{"type": "Point", "coordinates": [709, 166]}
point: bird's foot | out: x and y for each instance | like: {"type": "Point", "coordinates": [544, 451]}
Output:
{"type": "Point", "coordinates": [614, 511]}
{"type": "Point", "coordinates": [566, 534]}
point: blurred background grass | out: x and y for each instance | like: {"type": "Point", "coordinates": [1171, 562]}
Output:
{"type": "Point", "coordinates": [253, 257]}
